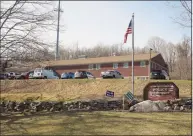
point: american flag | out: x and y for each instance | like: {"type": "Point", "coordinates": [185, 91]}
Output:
{"type": "Point", "coordinates": [129, 31]}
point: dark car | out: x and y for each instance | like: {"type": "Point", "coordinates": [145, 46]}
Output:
{"type": "Point", "coordinates": [26, 75]}
{"type": "Point", "coordinates": [3, 76]}
{"type": "Point", "coordinates": [67, 75]}
{"type": "Point", "coordinates": [18, 76]}
{"type": "Point", "coordinates": [71, 75]}
{"type": "Point", "coordinates": [31, 73]}
{"type": "Point", "coordinates": [11, 75]}
{"type": "Point", "coordinates": [111, 74]}
{"type": "Point", "coordinates": [83, 74]}
{"type": "Point", "coordinates": [159, 74]}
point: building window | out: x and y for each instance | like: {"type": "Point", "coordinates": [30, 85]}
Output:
{"type": "Point", "coordinates": [98, 66]}
{"type": "Point", "coordinates": [115, 65]}
{"type": "Point", "coordinates": [125, 65]}
{"type": "Point", "coordinates": [90, 66]}
{"type": "Point", "coordinates": [142, 64]}
{"type": "Point", "coordinates": [94, 66]}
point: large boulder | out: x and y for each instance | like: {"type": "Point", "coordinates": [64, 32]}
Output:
{"type": "Point", "coordinates": [145, 106]}
{"type": "Point", "coordinates": [161, 105]}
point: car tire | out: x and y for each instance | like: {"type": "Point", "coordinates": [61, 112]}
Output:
{"type": "Point", "coordinates": [113, 76]}
{"type": "Point", "coordinates": [45, 77]}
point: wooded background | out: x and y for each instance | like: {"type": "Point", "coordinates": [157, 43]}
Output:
{"type": "Point", "coordinates": [21, 26]}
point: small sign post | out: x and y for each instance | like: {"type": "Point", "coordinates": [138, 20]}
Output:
{"type": "Point", "coordinates": [123, 102]}
{"type": "Point", "coordinates": [110, 93]}
{"type": "Point", "coordinates": [129, 96]}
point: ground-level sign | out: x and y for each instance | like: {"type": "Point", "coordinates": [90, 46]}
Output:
{"type": "Point", "coordinates": [110, 93]}
{"type": "Point", "coordinates": [129, 96]}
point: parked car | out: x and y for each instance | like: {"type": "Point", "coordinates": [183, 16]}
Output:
{"type": "Point", "coordinates": [56, 74]}
{"type": "Point", "coordinates": [26, 75]}
{"type": "Point", "coordinates": [83, 74]}
{"type": "Point", "coordinates": [31, 73]}
{"type": "Point", "coordinates": [18, 76]}
{"type": "Point", "coordinates": [90, 75]}
{"type": "Point", "coordinates": [41, 73]}
{"type": "Point", "coordinates": [111, 74]}
{"type": "Point", "coordinates": [159, 74]}
{"type": "Point", "coordinates": [165, 74]}
{"type": "Point", "coordinates": [11, 75]}
{"type": "Point", "coordinates": [71, 75]}
{"type": "Point", "coordinates": [67, 75]}
{"type": "Point", "coordinates": [3, 76]}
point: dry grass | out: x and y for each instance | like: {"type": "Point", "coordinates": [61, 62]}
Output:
{"type": "Point", "coordinates": [89, 123]}
{"type": "Point", "coordinates": [98, 123]}
{"type": "Point", "coordinates": [74, 89]}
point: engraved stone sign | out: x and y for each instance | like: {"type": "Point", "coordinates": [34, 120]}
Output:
{"type": "Point", "coordinates": [160, 91]}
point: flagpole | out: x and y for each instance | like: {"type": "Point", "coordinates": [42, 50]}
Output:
{"type": "Point", "coordinates": [133, 53]}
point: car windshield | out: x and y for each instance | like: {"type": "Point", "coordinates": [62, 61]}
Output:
{"type": "Point", "coordinates": [155, 73]}
{"type": "Point", "coordinates": [89, 73]}
{"type": "Point", "coordinates": [24, 73]}
{"type": "Point", "coordinates": [64, 74]}
{"type": "Point", "coordinates": [38, 70]}
{"type": "Point", "coordinates": [110, 71]}
{"type": "Point", "coordinates": [118, 72]}
{"type": "Point", "coordinates": [31, 72]}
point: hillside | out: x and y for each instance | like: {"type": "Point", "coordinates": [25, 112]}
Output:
{"type": "Point", "coordinates": [77, 89]}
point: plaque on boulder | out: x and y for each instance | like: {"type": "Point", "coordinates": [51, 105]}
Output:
{"type": "Point", "coordinates": [160, 91]}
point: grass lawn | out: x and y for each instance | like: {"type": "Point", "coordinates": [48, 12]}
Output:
{"type": "Point", "coordinates": [78, 89]}
{"type": "Point", "coordinates": [98, 123]}
{"type": "Point", "coordinates": [93, 123]}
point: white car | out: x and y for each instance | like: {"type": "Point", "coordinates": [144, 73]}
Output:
{"type": "Point", "coordinates": [111, 74]}
{"type": "Point", "coordinates": [83, 74]}
{"type": "Point", "coordinates": [40, 73]}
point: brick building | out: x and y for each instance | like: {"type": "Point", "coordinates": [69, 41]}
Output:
{"type": "Point", "coordinates": [121, 63]}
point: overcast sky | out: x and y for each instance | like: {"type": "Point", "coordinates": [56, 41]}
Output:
{"type": "Point", "coordinates": [93, 22]}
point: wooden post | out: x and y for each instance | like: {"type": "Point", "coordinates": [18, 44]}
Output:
{"type": "Point", "coordinates": [79, 105]}
{"type": "Point", "coordinates": [41, 96]}
{"type": "Point", "coordinates": [123, 102]}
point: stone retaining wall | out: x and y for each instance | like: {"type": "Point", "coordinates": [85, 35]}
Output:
{"type": "Point", "coordinates": [92, 105]}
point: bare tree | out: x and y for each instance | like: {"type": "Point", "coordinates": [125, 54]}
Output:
{"type": "Point", "coordinates": [157, 44]}
{"type": "Point", "coordinates": [166, 49]}
{"type": "Point", "coordinates": [22, 23]}
{"type": "Point", "coordinates": [184, 18]}
{"type": "Point", "coordinates": [170, 58]}
{"type": "Point", "coordinates": [100, 50]}
{"type": "Point", "coordinates": [183, 64]}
